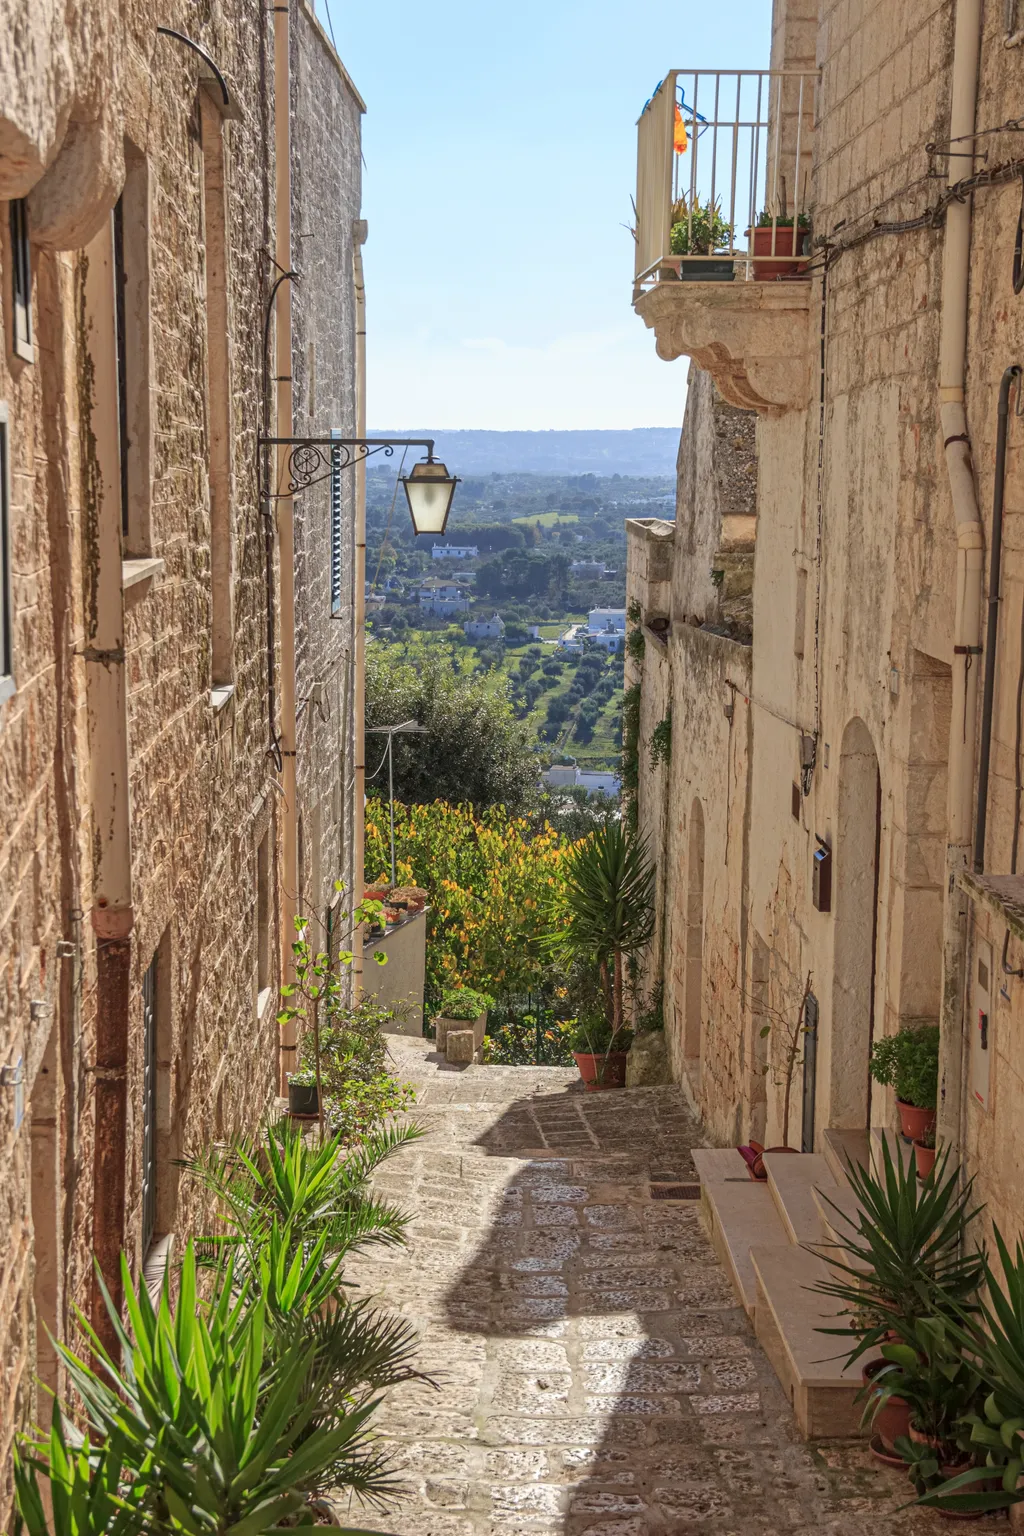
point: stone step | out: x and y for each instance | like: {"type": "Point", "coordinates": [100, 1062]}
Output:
{"type": "Point", "coordinates": [842, 1147]}
{"type": "Point", "coordinates": [792, 1177]}
{"type": "Point", "coordinates": [822, 1393]}
{"type": "Point", "coordinates": [737, 1211]}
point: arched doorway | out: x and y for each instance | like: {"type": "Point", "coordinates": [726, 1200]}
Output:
{"type": "Point", "coordinates": [856, 930]}
{"type": "Point", "coordinates": [692, 1029]}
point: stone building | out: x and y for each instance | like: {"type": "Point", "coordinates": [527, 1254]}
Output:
{"type": "Point", "coordinates": [813, 618]}
{"type": "Point", "coordinates": [150, 603]}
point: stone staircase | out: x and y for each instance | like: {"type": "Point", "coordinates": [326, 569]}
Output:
{"type": "Point", "coordinates": [761, 1233]}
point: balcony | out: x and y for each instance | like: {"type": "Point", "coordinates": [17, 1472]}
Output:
{"type": "Point", "coordinates": [723, 228]}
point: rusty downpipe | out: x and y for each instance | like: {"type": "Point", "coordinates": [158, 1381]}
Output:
{"type": "Point", "coordinates": [970, 561]}
{"type": "Point", "coordinates": [112, 915]}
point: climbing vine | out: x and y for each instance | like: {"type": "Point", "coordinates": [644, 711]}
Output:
{"type": "Point", "coordinates": [661, 741]}
{"type": "Point", "coordinates": [630, 754]}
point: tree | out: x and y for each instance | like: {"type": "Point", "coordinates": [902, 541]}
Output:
{"type": "Point", "coordinates": [473, 751]}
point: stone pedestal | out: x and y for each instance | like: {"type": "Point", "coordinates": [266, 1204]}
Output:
{"type": "Point", "coordinates": [647, 1062]}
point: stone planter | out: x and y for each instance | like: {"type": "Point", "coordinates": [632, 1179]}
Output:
{"type": "Point", "coordinates": [647, 1061]}
{"type": "Point", "coordinates": [460, 1040]}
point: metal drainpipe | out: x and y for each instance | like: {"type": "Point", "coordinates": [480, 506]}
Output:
{"type": "Point", "coordinates": [285, 521]}
{"type": "Point", "coordinates": [112, 914]}
{"type": "Point", "coordinates": [969, 579]}
{"type": "Point", "coordinates": [992, 636]}
{"type": "Point", "coordinates": [359, 618]}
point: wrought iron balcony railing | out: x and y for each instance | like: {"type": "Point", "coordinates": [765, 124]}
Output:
{"type": "Point", "coordinates": [723, 167]}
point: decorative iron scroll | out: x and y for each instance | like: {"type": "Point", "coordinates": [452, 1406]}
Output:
{"type": "Point", "coordinates": [312, 460]}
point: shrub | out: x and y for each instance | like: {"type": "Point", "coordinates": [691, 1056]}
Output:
{"type": "Point", "coordinates": [464, 1003]}
{"type": "Point", "coordinates": [909, 1063]}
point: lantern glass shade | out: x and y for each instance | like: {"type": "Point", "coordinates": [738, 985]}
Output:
{"type": "Point", "coordinates": [429, 490]}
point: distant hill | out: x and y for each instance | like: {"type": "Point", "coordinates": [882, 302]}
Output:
{"type": "Point", "coordinates": [641, 451]}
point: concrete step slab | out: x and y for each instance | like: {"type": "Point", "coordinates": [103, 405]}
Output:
{"type": "Point", "coordinates": [792, 1177]}
{"type": "Point", "coordinates": [738, 1215]}
{"type": "Point", "coordinates": [840, 1148]}
{"type": "Point", "coordinates": [713, 1164]}
{"type": "Point", "coordinates": [899, 1150]}
{"type": "Point", "coordinates": [786, 1315]}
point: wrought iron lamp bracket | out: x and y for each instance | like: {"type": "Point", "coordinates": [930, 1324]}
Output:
{"type": "Point", "coordinates": [311, 460]}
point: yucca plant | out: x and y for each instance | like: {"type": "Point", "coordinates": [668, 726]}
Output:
{"type": "Point", "coordinates": [994, 1336]}
{"type": "Point", "coordinates": [318, 1195]}
{"type": "Point", "coordinates": [904, 1255]}
{"type": "Point", "coordinates": [608, 914]}
{"type": "Point", "coordinates": [89, 1491]}
{"type": "Point", "coordinates": [208, 1428]}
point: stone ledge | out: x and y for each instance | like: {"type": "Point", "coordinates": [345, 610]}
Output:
{"type": "Point", "coordinates": [135, 572]}
{"type": "Point", "coordinates": [1002, 895]}
{"type": "Point", "coordinates": [751, 337]}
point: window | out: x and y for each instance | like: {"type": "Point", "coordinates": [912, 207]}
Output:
{"type": "Point", "coordinates": [6, 632]}
{"type": "Point", "coordinates": [133, 345]}
{"type": "Point", "coordinates": [800, 614]}
{"type": "Point", "coordinates": [21, 281]}
{"type": "Point", "coordinates": [219, 393]}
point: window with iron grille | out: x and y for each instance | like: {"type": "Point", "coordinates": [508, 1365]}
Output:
{"type": "Point", "coordinates": [21, 281]}
{"type": "Point", "coordinates": [6, 633]}
{"type": "Point", "coordinates": [335, 527]}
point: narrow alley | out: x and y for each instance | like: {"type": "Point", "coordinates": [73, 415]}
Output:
{"type": "Point", "coordinates": [594, 1374]}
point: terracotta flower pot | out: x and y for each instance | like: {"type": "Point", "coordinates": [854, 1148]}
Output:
{"type": "Point", "coordinates": [892, 1421]}
{"type": "Point", "coordinates": [757, 1168]}
{"type": "Point", "coordinates": [788, 244]}
{"type": "Point", "coordinates": [925, 1159]}
{"type": "Point", "coordinates": [915, 1123]}
{"type": "Point", "coordinates": [600, 1071]}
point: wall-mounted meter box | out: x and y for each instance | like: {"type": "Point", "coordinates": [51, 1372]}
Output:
{"type": "Point", "coordinates": [821, 878]}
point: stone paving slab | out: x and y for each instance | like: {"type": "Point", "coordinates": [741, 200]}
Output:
{"type": "Point", "coordinates": [594, 1375]}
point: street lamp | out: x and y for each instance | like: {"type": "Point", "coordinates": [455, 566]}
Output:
{"type": "Point", "coordinates": [407, 728]}
{"type": "Point", "coordinates": [429, 489]}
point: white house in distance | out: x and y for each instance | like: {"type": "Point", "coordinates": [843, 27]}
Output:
{"type": "Point", "coordinates": [568, 776]}
{"type": "Point", "coordinates": [589, 570]}
{"type": "Point", "coordinates": [605, 627]}
{"type": "Point", "coordinates": [455, 552]}
{"type": "Point", "coordinates": [443, 598]}
{"type": "Point", "coordinates": [484, 629]}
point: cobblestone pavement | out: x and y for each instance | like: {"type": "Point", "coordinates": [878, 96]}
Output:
{"type": "Point", "coordinates": [594, 1374]}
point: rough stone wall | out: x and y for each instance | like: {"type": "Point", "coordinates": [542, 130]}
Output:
{"type": "Point", "coordinates": [200, 778]}
{"type": "Point", "coordinates": [326, 193]}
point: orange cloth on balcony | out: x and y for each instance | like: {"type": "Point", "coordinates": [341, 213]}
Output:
{"type": "Point", "coordinates": [680, 143]}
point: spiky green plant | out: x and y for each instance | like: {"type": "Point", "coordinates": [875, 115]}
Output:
{"type": "Point", "coordinates": [608, 914]}
{"type": "Point", "coordinates": [994, 1337]}
{"type": "Point", "coordinates": [208, 1424]}
{"type": "Point", "coordinates": [904, 1255]}
{"type": "Point", "coordinates": [89, 1491]}
{"type": "Point", "coordinates": [319, 1195]}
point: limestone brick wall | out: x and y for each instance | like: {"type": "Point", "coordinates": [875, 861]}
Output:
{"type": "Point", "coordinates": [326, 180]}
{"type": "Point", "coordinates": [201, 796]}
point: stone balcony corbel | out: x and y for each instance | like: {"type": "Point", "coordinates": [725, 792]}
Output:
{"type": "Point", "coordinates": [751, 337]}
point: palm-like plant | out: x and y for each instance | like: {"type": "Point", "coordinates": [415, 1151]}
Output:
{"type": "Point", "coordinates": [318, 1195]}
{"type": "Point", "coordinates": [904, 1254]}
{"type": "Point", "coordinates": [608, 912]}
{"type": "Point", "coordinates": [89, 1492]}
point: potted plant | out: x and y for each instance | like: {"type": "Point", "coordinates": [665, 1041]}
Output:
{"type": "Point", "coordinates": [604, 918]}
{"type": "Point", "coordinates": [941, 1387]}
{"type": "Point", "coordinates": [600, 1053]}
{"type": "Point", "coordinates": [993, 1335]}
{"type": "Point", "coordinates": [783, 240]}
{"type": "Point", "coordinates": [924, 1152]}
{"type": "Point", "coordinates": [462, 1022]}
{"type": "Point", "coordinates": [303, 1097]}
{"type": "Point", "coordinates": [903, 1257]}
{"type": "Point", "coordinates": [908, 1062]}
{"type": "Point", "coordinates": [700, 230]}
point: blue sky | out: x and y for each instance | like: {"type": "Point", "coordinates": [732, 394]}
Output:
{"type": "Point", "coordinates": [500, 151]}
